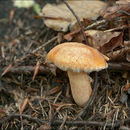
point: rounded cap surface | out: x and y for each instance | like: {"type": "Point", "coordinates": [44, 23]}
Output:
{"type": "Point", "coordinates": [76, 57]}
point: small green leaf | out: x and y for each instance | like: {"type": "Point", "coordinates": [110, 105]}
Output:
{"type": "Point", "coordinates": [36, 8]}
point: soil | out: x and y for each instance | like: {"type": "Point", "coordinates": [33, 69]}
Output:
{"type": "Point", "coordinates": [31, 99]}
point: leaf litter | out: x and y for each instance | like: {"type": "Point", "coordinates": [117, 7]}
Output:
{"type": "Point", "coordinates": [59, 17]}
{"type": "Point", "coordinates": [35, 95]}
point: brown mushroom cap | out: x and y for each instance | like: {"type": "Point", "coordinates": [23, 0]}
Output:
{"type": "Point", "coordinates": [76, 57]}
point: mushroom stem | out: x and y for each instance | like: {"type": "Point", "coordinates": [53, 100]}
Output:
{"type": "Point", "coordinates": [80, 86]}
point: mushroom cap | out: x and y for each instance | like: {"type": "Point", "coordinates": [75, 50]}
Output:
{"type": "Point", "coordinates": [76, 57]}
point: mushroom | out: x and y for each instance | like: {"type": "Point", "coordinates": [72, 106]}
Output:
{"type": "Point", "coordinates": [78, 60]}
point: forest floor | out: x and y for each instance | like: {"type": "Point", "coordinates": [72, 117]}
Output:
{"type": "Point", "coordinates": [34, 96]}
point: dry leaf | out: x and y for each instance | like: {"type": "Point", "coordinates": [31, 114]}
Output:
{"type": "Point", "coordinates": [104, 41]}
{"type": "Point", "coordinates": [127, 43]}
{"type": "Point", "coordinates": [122, 2]}
{"type": "Point", "coordinates": [115, 11]}
{"type": "Point", "coordinates": [73, 34]}
{"type": "Point", "coordinates": [60, 18]}
{"type": "Point", "coordinates": [120, 54]}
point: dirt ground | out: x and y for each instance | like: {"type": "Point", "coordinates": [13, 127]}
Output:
{"type": "Point", "coordinates": [43, 100]}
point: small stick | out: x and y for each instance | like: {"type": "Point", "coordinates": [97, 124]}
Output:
{"type": "Point", "coordinates": [44, 70]}
{"type": "Point", "coordinates": [119, 66]}
{"type": "Point", "coordinates": [118, 28]}
{"type": "Point", "coordinates": [26, 69]}
{"type": "Point", "coordinates": [12, 116]}
{"type": "Point", "coordinates": [59, 122]}
{"type": "Point", "coordinates": [68, 36]}
{"type": "Point", "coordinates": [97, 23]}
{"type": "Point", "coordinates": [78, 20]}
{"type": "Point", "coordinates": [45, 44]}
{"type": "Point", "coordinates": [37, 49]}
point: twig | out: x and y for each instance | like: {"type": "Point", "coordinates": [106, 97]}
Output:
{"type": "Point", "coordinates": [64, 120]}
{"type": "Point", "coordinates": [70, 35]}
{"type": "Point", "coordinates": [45, 44]}
{"type": "Point", "coordinates": [97, 23]}
{"type": "Point", "coordinates": [34, 51]}
{"type": "Point", "coordinates": [119, 66]}
{"type": "Point", "coordinates": [59, 122]}
{"type": "Point", "coordinates": [12, 116]}
{"type": "Point", "coordinates": [45, 70]}
{"type": "Point", "coordinates": [78, 20]}
{"type": "Point", "coordinates": [90, 101]}
{"type": "Point", "coordinates": [26, 69]}
{"type": "Point", "coordinates": [118, 28]}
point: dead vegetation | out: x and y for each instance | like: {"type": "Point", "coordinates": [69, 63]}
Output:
{"type": "Point", "coordinates": [35, 95]}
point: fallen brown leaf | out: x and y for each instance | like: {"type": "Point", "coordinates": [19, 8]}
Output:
{"type": "Point", "coordinates": [60, 18]}
{"type": "Point", "coordinates": [120, 54]}
{"type": "Point", "coordinates": [115, 11]}
{"type": "Point", "coordinates": [72, 34]}
{"type": "Point", "coordinates": [122, 1]}
{"type": "Point", "coordinates": [104, 41]}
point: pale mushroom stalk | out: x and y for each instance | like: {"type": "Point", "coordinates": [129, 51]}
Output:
{"type": "Point", "coordinates": [80, 84]}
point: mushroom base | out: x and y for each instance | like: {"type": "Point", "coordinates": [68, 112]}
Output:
{"type": "Point", "coordinates": [80, 87]}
